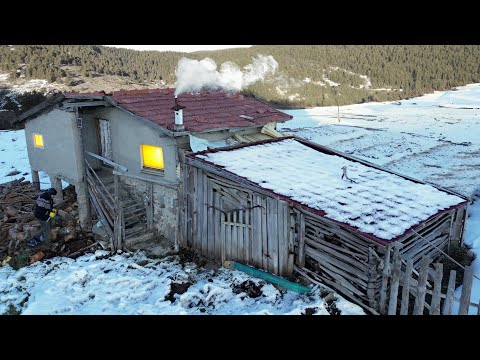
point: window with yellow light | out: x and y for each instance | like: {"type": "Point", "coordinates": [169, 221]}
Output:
{"type": "Point", "coordinates": [152, 157]}
{"type": "Point", "coordinates": [38, 140]}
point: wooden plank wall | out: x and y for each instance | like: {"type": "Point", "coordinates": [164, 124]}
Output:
{"type": "Point", "coordinates": [340, 258]}
{"type": "Point", "coordinates": [225, 221]}
{"type": "Point", "coordinates": [436, 231]}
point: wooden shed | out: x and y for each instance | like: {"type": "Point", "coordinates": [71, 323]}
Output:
{"type": "Point", "coordinates": [283, 204]}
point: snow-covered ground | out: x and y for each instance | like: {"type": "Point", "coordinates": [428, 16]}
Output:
{"type": "Point", "coordinates": [24, 86]}
{"type": "Point", "coordinates": [133, 284]}
{"type": "Point", "coordinates": [435, 138]}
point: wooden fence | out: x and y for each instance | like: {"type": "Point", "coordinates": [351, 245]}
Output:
{"type": "Point", "coordinates": [405, 291]}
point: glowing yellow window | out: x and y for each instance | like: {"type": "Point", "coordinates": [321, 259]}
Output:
{"type": "Point", "coordinates": [38, 140]}
{"type": "Point", "coordinates": [152, 157]}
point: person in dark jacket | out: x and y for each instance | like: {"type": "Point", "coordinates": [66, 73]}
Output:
{"type": "Point", "coordinates": [43, 206]}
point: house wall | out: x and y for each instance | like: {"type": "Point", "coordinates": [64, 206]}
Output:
{"type": "Point", "coordinates": [128, 132]}
{"type": "Point", "coordinates": [58, 157]}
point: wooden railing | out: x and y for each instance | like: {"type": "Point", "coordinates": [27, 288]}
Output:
{"type": "Point", "coordinates": [107, 206]}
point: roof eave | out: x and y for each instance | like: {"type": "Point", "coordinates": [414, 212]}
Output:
{"type": "Point", "coordinates": [43, 106]}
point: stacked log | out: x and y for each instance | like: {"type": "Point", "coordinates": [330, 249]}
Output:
{"type": "Point", "coordinates": [18, 223]}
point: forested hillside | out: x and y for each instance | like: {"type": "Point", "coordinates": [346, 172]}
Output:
{"type": "Point", "coordinates": [307, 75]}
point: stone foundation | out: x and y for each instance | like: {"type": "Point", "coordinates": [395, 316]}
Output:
{"type": "Point", "coordinates": [164, 205]}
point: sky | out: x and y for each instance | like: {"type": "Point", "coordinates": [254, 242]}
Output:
{"type": "Point", "coordinates": [180, 48]}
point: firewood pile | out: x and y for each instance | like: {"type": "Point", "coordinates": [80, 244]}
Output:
{"type": "Point", "coordinates": [18, 224]}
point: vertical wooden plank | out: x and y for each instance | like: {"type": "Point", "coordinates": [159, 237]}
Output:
{"type": "Point", "coordinates": [478, 308]}
{"type": "Point", "coordinates": [211, 221]}
{"type": "Point", "coordinates": [465, 219]}
{"type": "Point", "coordinates": [385, 276]}
{"type": "Point", "coordinates": [272, 234]}
{"type": "Point", "coordinates": [458, 226]}
{"type": "Point", "coordinates": [372, 278]}
{"type": "Point", "coordinates": [466, 291]}
{"type": "Point", "coordinates": [234, 236]}
{"type": "Point", "coordinates": [194, 212]}
{"type": "Point", "coordinates": [392, 306]}
{"type": "Point", "coordinates": [422, 286]}
{"type": "Point", "coordinates": [199, 210]}
{"type": "Point", "coordinates": [223, 238]}
{"type": "Point", "coordinates": [257, 239]}
{"type": "Point", "coordinates": [218, 225]}
{"type": "Point", "coordinates": [406, 288]}
{"type": "Point", "coordinates": [291, 239]}
{"type": "Point", "coordinates": [437, 290]}
{"type": "Point", "coordinates": [240, 238]}
{"type": "Point", "coordinates": [228, 237]}
{"type": "Point", "coordinates": [447, 306]}
{"type": "Point", "coordinates": [283, 227]}
{"type": "Point", "coordinates": [247, 238]}
{"type": "Point", "coordinates": [266, 261]}
{"type": "Point", "coordinates": [301, 240]}
{"type": "Point", "coordinates": [204, 204]}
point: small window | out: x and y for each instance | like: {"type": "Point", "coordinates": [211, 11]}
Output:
{"type": "Point", "coordinates": [38, 140]}
{"type": "Point", "coordinates": [152, 157]}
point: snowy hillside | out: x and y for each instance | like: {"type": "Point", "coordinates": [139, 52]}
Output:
{"type": "Point", "coordinates": [434, 138]}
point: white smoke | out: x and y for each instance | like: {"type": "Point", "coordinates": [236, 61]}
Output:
{"type": "Point", "coordinates": [195, 76]}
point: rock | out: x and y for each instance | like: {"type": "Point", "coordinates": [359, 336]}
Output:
{"type": "Point", "coordinates": [62, 214]}
{"type": "Point", "coordinates": [37, 257]}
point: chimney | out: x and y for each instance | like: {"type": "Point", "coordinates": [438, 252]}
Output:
{"type": "Point", "coordinates": [178, 109]}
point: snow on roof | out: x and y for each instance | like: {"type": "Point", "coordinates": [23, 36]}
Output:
{"type": "Point", "coordinates": [377, 202]}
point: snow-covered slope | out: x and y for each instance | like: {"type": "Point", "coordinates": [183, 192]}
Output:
{"type": "Point", "coordinates": [133, 284]}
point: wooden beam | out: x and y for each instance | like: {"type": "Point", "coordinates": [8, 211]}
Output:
{"type": "Point", "coordinates": [466, 291]}
{"type": "Point", "coordinates": [394, 284]}
{"type": "Point", "coordinates": [422, 286]}
{"type": "Point", "coordinates": [407, 276]}
{"type": "Point", "coordinates": [301, 240]}
{"type": "Point", "coordinates": [69, 105]}
{"type": "Point", "coordinates": [447, 306]}
{"type": "Point", "coordinates": [437, 289]}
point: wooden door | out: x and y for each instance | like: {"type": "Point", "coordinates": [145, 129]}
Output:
{"type": "Point", "coordinates": [105, 145]}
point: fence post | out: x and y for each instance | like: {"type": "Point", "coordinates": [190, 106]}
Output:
{"type": "Point", "coordinates": [392, 306]}
{"type": "Point", "coordinates": [466, 291]}
{"type": "Point", "coordinates": [447, 306]}
{"type": "Point", "coordinates": [372, 277]}
{"type": "Point", "coordinates": [422, 286]}
{"type": "Point", "coordinates": [437, 290]}
{"type": "Point", "coordinates": [386, 273]}
{"type": "Point", "coordinates": [406, 288]}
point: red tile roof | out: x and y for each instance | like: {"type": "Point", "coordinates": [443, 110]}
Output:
{"type": "Point", "coordinates": [204, 111]}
